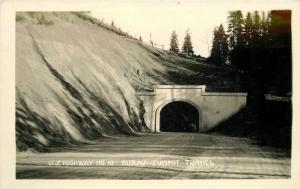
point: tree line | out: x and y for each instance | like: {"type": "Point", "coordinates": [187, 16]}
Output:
{"type": "Point", "coordinates": [243, 35]}
{"type": "Point", "coordinates": [259, 46]}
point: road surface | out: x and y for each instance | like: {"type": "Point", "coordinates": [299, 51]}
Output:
{"type": "Point", "coordinates": [158, 156]}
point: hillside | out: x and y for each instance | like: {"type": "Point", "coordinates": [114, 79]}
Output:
{"type": "Point", "coordinates": [76, 80]}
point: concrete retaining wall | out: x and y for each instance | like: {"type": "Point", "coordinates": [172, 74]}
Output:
{"type": "Point", "coordinates": [213, 107]}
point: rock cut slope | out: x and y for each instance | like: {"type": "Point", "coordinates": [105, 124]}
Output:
{"type": "Point", "coordinates": [76, 81]}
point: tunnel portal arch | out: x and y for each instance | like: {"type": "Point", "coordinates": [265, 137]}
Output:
{"type": "Point", "coordinates": [179, 116]}
{"type": "Point", "coordinates": [195, 111]}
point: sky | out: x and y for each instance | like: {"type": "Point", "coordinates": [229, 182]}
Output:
{"type": "Point", "coordinates": [160, 19]}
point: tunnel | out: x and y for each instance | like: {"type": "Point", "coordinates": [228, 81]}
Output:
{"type": "Point", "coordinates": [179, 116]}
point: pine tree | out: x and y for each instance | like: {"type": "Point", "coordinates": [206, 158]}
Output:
{"type": "Point", "coordinates": [265, 27]}
{"type": "Point", "coordinates": [187, 47]}
{"type": "Point", "coordinates": [219, 51]}
{"type": "Point", "coordinates": [236, 41]}
{"type": "Point", "coordinates": [248, 41]}
{"type": "Point", "coordinates": [174, 43]}
{"type": "Point", "coordinates": [215, 51]}
{"type": "Point", "coordinates": [248, 30]}
{"type": "Point", "coordinates": [223, 44]}
{"type": "Point", "coordinates": [256, 28]}
{"type": "Point", "coordinates": [235, 29]}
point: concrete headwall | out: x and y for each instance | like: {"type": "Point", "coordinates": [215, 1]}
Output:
{"type": "Point", "coordinates": [213, 107]}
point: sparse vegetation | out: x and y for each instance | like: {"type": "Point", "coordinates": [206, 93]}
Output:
{"type": "Point", "coordinates": [40, 18]}
{"type": "Point", "coordinates": [43, 21]}
{"type": "Point", "coordinates": [110, 27]}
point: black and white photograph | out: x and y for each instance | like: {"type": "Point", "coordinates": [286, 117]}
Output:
{"type": "Point", "coordinates": [162, 90]}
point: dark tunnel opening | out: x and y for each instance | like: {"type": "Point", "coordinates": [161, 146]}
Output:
{"type": "Point", "coordinates": [179, 116]}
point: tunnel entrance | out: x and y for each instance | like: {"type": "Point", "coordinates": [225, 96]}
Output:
{"type": "Point", "coordinates": [179, 116]}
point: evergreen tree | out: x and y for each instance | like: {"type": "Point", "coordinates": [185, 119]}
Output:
{"type": "Point", "coordinates": [236, 42]}
{"type": "Point", "coordinates": [187, 47]}
{"type": "Point", "coordinates": [265, 27]}
{"type": "Point", "coordinates": [256, 28]}
{"type": "Point", "coordinates": [235, 29]}
{"type": "Point", "coordinates": [215, 51]}
{"type": "Point", "coordinates": [219, 51]}
{"type": "Point", "coordinates": [248, 41]}
{"type": "Point", "coordinates": [248, 30]}
{"type": "Point", "coordinates": [174, 43]}
{"type": "Point", "coordinates": [264, 24]}
{"type": "Point", "coordinates": [223, 44]}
